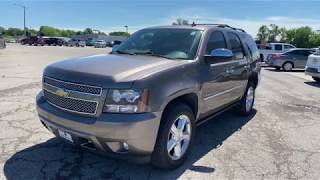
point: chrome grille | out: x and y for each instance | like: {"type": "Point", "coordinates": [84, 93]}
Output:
{"type": "Point", "coordinates": [74, 105]}
{"type": "Point", "coordinates": [73, 86]}
{"type": "Point", "coordinates": [77, 98]}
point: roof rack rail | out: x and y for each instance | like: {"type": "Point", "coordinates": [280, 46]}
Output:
{"type": "Point", "coordinates": [220, 25]}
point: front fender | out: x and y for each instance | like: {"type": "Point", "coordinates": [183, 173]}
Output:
{"type": "Point", "coordinates": [169, 84]}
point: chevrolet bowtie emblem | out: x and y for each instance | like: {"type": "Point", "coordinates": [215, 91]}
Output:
{"type": "Point", "coordinates": [62, 93]}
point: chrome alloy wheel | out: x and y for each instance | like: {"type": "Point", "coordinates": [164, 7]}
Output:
{"type": "Point", "coordinates": [288, 67]}
{"type": "Point", "coordinates": [179, 137]}
{"type": "Point", "coordinates": [249, 98]}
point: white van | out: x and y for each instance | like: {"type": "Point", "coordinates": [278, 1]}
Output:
{"type": "Point", "coordinates": [271, 48]}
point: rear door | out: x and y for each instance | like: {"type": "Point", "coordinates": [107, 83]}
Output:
{"type": "Point", "coordinates": [304, 58]}
{"type": "Point", "coordinates": [299, 57]}
{"type": "Point", "coordinates": [216, 85]}
{"type": "Point", "coordinates": [238, 67]}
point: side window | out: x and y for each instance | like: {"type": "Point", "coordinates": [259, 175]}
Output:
{"type": "Point", "coordinates": [254, 52]}
{"type": "Point", "coordinates": [288, 46]}
{"type": "Point", "coordinates": [294, 52]}
{"type": "Point", "coordinates": [278, 47]}
{"type": "Point", "coordinates": [236, 46]}
{"type": "Point", "coordinates": [216, 40]}
{"type": "Point", "coordinates": [306, 52]}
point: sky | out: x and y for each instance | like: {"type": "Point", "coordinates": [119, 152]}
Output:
{"type": "Point", "coordinates": [112, 15]}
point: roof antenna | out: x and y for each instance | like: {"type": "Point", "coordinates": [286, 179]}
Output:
{"type": "Point", "coordinates": [193, 24]}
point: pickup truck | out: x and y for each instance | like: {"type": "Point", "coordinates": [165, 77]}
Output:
{"type": "Point", "coordinates": [272, 48]}
{"type": "Point", "coordinates": [144, 100]}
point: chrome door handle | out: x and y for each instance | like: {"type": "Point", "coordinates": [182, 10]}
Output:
{"type": "Point", "coordinates": [229, 71]}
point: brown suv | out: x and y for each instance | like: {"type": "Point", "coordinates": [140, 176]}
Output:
{"type": "Point", "coordinates": [145, 99]}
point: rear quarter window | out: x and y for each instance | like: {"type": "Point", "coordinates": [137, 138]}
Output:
{"type": "Point", "coordinates": [236, 45]}
{"type": "Point", "coordinates": [252, 47]}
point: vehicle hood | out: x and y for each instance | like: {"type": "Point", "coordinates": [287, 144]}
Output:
{"type": "Point", "coordinates": [108, 70]}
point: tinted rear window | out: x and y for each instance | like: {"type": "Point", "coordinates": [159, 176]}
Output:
{"type": "Point", "coordinates": [252, 47]}
{"type": "Point", "coordinates": [236, 45]}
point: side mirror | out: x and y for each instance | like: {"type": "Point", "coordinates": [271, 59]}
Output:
{"type": "Point", "coordinates": [218, 56]}
{"type": "Point", "coordinates": [115, 47]}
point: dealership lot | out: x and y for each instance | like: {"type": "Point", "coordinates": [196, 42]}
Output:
{"type": "Point", "coordinates": [279, 141]}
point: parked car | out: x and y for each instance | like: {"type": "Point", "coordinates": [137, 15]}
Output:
{"type": "Point", "coordinates": [77, 43]}
{"type": "Point", "coordinates": [35, 40]}
{"type": "Point", "coordinates": [313, 65]}
{"type": "Point", "coordinates": [65, 41]}
{"type": "Point", "coordinates": [115, 43]}
{"type": "Point", "coordinates": [2, 42]}
{"type": "Point", "coordinates": [294, 58]}
{"type": "Point", "coordinates": [271, 48]}
{"type": "Point", "coordinates": [90, 42]}
{"type": "Point", "coordinates": [54, 41]}
{"type": "Point", "coordinates": [100, 44]}
{"type": "Point", "coordinates": [144, 100]}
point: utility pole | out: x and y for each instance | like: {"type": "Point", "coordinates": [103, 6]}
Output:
{"type": "Point", "coordinates": [24, 18]}
{"type": "Point", "coordinates": [126, 28]}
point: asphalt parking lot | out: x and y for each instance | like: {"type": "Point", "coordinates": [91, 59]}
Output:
{"type": "Point", "coordinates": [280, 140]}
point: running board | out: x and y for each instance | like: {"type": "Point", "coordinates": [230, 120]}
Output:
{"type": "Point", "coordinates": [203, 120]}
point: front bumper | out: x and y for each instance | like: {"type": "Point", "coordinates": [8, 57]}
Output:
{"type": "Point", "coordinates": [105, 133]}
{"type": "Point", "coordinates": [314, 72]}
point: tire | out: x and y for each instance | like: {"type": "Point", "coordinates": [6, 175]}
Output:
{"type": "Point", "coordinates": [316, 79]}
{"type": "Point", "coordinates": [169, 159]}
{"type": "Point", "coordinates": [247, 101]}
{"type": "Point", "coordinates": [288, 66]}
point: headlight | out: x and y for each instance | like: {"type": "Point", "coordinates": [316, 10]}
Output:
{"type": "Point", "coordinates": [126, 101]}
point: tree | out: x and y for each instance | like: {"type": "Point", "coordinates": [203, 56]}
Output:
{"type": "Point", "coordinates": [48, 31]}
{"type": "Point", "coordinates": [302, 37]}
{"type": "Point", "coordinates": [88, 31]}
{"type": "Point", "coordinates": [290, 35]}
{"type": "Point", "coordinates": [119, 33]}
{"type": "Point", "coordinates": [67, 33]}
{"type": "Point", "coordinates": [14, 32]}
{"type": "Point", "coordinates": [180, 22]}
{"type": "Point", "coordinates": [283, 34]}
{"type": "Point", "coordinates": [274, 32]}
{"type": "Point", "coordinates": [263, 33]}
{"type": "Point", "coordinates": [2, 30]}
{"type": "Point", "coordinates": [314, 39]}
{"type": "Point", "coordinates": [32, 32]}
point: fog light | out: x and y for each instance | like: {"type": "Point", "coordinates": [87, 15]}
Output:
{"type": "Point", "coordinates": [125, 146]}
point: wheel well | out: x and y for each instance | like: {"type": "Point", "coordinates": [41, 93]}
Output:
{"type": "Point", "coordinates": [189, 99]}
{"type": "Point", "coordinates": [288, 62]}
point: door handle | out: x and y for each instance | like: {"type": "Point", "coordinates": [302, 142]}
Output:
{"type": "Point", "coordinates": [229, 71]}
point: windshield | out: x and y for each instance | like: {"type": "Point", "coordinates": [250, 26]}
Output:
{"type": "Point", "coordinates": [164, 42]}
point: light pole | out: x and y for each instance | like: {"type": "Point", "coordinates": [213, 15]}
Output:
{"type": "Point", "coordinates": [126, 28]}
{"type": "Point", "coordinates": [24, 18]}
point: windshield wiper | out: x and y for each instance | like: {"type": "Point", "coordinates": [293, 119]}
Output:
{"type": "Point", "coordinates": [150, 53]}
